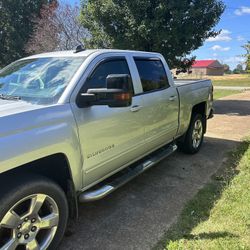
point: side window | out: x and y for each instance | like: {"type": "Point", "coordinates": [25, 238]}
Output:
{"type": "Point", "coordinates": [97, 79]}
{"type": "Point", "coordinates": [152, 73]}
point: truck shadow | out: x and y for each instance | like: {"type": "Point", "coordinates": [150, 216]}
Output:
{"type": "Point", "coordinates": [232, 107]}
{"type": "Point", "coordinates": [137, 215]}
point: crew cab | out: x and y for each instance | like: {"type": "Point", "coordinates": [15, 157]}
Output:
{"type": "Point", "coordinates": [76, 125]}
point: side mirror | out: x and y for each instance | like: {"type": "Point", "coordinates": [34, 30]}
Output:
{"type": "Point", "coordinates": [117, 94]}
{"type": "Point", "coordinates": [121, 81]}
{"type": "Point", "coordinates": [123, 84]}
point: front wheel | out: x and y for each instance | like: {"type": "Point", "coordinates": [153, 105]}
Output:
{"type": "Point", "coordinates": [194, 137]}
{"type": "Point", "coordinates": [33, 215]}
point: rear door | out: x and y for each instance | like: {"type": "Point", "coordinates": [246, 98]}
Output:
{"type": "Point", "coordinates": [160, 102]}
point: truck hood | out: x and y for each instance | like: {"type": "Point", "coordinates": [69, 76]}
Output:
{"type": "Point", "coordinates": [9, 107]}
{"type": "Point", "coordinates": [19, 117]}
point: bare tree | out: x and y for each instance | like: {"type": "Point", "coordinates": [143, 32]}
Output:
{"type": "Point", "coordinates": [71, 32]}
{"type": "Point", "coordinates": [45, 34]}
{"type": "Point", "coordinates": [58, 28]}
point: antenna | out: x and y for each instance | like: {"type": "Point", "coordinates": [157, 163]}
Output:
{"type": "Point", "coordinates": [79, 48]}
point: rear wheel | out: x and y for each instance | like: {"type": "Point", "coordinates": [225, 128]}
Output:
{"type": "Point", "coordinates": [33, 215]}
{"type": "Point", "coordinates": [194, 137]}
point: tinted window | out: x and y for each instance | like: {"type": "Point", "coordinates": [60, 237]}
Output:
{"type": "Point", "coordinates": [152, 74]}
{"type": "Point", "coordinates": [98, 77]}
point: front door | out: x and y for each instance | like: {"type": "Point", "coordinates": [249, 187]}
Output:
{"type": "Point", "coordinates": [110, 137]}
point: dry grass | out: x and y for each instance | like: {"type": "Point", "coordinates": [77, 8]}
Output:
{"type": "Point", "coordinates": [241, 80]}
{"type": "Point", "coordinates": [230, 77]}
{"type": "Point", "coordinates": [225, 77]}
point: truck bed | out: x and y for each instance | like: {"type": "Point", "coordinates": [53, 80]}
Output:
{"type": "Point", "coordinates": [191, 92]}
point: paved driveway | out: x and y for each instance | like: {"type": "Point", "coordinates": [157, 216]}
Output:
{"type": "Point", "coordinates": [137, 215]}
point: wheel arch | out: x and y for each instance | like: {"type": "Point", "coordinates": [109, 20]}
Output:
{"type": "Point", "coordinates": [200, 108]}
{"type": "Point", "coordinates": [55, 167]}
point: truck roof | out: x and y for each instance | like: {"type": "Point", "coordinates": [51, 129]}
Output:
{"type": "Point", "coordinates": [85, 53]}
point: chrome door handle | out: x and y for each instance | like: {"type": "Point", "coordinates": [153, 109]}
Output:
{"type": "Point", "coordinates": [136, 108]}
{"type": "Point", "coordinates": [172, 98]}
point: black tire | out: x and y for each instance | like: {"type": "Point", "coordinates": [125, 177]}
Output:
{"type": "Point", "coordinates": [187, 144]}
{"type": "Point", "coordinates": [15, 190]}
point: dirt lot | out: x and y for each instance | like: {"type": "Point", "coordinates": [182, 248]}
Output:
{"type": "Point", "coordinates": [137, 215]}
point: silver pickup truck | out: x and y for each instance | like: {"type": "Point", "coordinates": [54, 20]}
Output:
{"type": "Point", "coordinates": [76, 125]}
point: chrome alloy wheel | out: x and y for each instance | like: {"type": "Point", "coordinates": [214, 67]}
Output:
{"type": "Point", "coordinates": [197, 134]}
{"type": "Point", "coordinates": [30, 224]}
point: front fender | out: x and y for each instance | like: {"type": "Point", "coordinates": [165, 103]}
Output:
{"type": "Point", "coordinates": [32, 135]}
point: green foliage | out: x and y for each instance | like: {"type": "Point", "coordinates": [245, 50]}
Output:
{"type": "Point", "coordinates": [174, 28]}
{"type": "Point", "coordinates": [247, 55]}
{"type": "Point", "coordinates": [248, 64]}
{"type": "Point", "coordinates": [238, 69]}
{"type": "Point", "coordinates": [227, 69]}
{"type": "Point", "coordinates": [16, 25]}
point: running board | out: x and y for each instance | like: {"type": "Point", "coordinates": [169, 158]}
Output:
{"type": "Point", "coordinates": [130, 173]}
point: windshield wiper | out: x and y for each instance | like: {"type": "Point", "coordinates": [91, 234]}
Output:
{"type": "Point", "coordinates": [10, 97]}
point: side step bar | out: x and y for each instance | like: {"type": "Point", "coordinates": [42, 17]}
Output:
{"type": "Point", "coordinates": [130, 173]}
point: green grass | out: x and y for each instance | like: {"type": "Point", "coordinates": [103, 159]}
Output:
{"type": "Point", "coordinates": [218, 217]}
{"type": "Point", "coordinates": [244, 82]}
{"type": "Point", "coordinates": [219, 93]}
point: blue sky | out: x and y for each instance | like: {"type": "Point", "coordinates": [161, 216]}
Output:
{"type": "Point", "coordinates": [235, 26]}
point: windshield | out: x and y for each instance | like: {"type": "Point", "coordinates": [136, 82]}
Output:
{"type": "Point", "coordinates": [39, 80]}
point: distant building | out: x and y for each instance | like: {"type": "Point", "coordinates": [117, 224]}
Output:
{"type": "Point", "coordinates": [208, 68]}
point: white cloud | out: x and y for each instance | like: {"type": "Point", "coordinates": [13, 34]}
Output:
{"type": "Point", "coordinates": [242, 10]}
{"type": "Point", "coordinates": [234, 59]}
{"type": "Point", "coordinates": [224, 36]}
{"type": "Point", "coordinates": [220, 48]}
{"type": "Point", "coordinates": [240, 38]}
